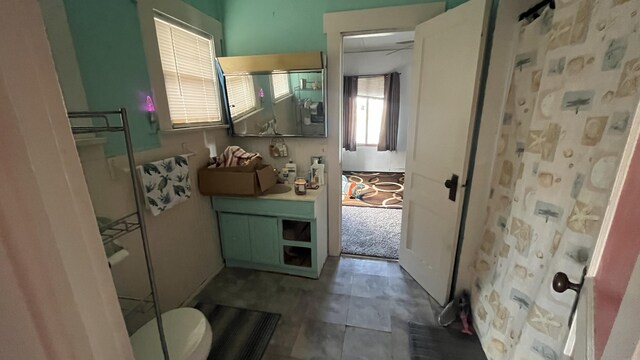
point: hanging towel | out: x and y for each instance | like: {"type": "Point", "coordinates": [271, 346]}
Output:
{"type": "Point", "coordinates": [234, 156]}
{"type": "Point", "coordinates": [165, 183]}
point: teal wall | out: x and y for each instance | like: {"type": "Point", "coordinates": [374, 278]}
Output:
{"type": "Point", "coordinates": [274, 26]}
{"type": "Point", "coordinates": [108, 42]}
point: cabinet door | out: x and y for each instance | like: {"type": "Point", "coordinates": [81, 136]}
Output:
{"type": "Point", "coordinates": [234, 231]}
{"type": "Point", "coordinates": [264, 239]}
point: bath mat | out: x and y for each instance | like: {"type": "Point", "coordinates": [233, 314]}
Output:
{"type": "Point", "coordinates": [373, 189]}
{"type": "Point", "coordinates": [438, 343]}
{"type": "Point", "coordinates": [371, 231]}
{"type": "Point", "coordinates": [238, 334]}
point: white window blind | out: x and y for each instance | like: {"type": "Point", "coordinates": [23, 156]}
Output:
{"type": "Point", "coordinates": [241, 93]}
{"type": "Point", "coordinates": [281, 87]}
{"type": "Point", "coordinates": [189, 75]}
{"type": "Point", "coordinates": [372, 86]}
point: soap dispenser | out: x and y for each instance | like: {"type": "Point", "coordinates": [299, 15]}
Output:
{"type": "Point", "coordinates": [317, 172]}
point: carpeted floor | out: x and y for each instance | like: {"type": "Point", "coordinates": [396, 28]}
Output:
{"type": "Point", "coordinates": [238, 334]}
{"type": "Point", "coordinates": [371, 231]}
{"type": "Point", "coordinates": [373, 189]}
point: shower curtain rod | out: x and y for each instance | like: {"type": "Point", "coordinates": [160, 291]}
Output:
{"type": "Point", "coordinates": [534, 9]}
{"type": "Point", "coordinates": [372, 75]}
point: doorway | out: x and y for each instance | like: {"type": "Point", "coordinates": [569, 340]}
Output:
{"type": "Point", "coordinates": [436, 167]}
{"type": "Point", "coordinates": [377, 73]}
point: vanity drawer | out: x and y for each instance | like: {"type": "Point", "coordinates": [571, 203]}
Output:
{"type": "Point", "coordinates": [268, 207]}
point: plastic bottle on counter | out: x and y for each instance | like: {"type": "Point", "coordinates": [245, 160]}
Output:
{"type": "Point", "coordinates": [317, 172]}
{"type": "Point", "coordinates": [292, 171]}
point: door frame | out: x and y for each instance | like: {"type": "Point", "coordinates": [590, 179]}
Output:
{"type": "Point", "coordinates": [582, 341]}
{"type": "Point", "coordinates": [59, 291]}
{"type": "Point", "coordinates": [337, 25]}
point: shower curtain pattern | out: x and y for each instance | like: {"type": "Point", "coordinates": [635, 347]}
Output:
{"type": "Point", "coordinates": [573, 95]}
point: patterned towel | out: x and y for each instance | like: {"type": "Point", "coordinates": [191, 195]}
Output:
{"type": "Point", "coordinates": [234, 156]}
{"type": "Point", "coordinates": [166, 183]}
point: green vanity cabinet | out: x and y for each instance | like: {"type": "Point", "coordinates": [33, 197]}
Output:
{"type": "Point", "coordinates": [249, 238]}
{"type": "Point", "coordinates": [234, 229]}
{"type": "Point", "coordinates": [263, 232]}
{"type": "Point", "coordinates": [279, 232]}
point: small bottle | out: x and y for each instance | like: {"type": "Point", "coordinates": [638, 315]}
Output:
{"type": "Point", "coordinates": [317, 172]}
{"type": "Point", "coordinates": [284, 174]}
{"type": "Point", "coordinates": [292, 170]}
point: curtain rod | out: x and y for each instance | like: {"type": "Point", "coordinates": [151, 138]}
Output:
{"type": "Point", "coordinates": [374, 75]}
{"type": "Point", "coordinates": [534, 9]}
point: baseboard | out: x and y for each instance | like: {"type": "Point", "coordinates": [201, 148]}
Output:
{"type": "Point", "coordinates": [190, 300]}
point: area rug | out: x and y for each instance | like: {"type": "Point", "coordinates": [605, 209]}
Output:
{"type": "Point", "coordinates": [238, 334]}
{"type": "Point", "coordinates": [372, 189]}
{"type": "Point", "coordinates": [371, 231]}
{"type": "Point", "coordinates": [438, 343]}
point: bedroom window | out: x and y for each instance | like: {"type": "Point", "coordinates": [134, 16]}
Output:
{"type": "Point", "coordinates": [187, 54]}
{"type": "Point", "coordinates": [370, 104]}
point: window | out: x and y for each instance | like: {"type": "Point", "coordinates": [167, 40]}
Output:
{"type": "Point", "coordinates": [187, 57]}
{"type": "Point", "coordinates": [281, 86]}
{"type": "Point", "coordinates": [370, 103]}
{"type": "Point", "coordinates": [242, 95]}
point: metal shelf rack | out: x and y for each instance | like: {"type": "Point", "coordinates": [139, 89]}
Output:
{"type": "Point", "coordinates": [135, 220]}
{"type": "Point", "coordinates": [119, 228]}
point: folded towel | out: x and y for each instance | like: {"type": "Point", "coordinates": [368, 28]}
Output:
{"type": "Point", "coordinates": [166, 183]}
{"type": "Point", "coordinates": [234, 156]}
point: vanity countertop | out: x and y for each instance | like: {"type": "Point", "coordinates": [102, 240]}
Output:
{"type": "Point", "coordinates": [310, 196]}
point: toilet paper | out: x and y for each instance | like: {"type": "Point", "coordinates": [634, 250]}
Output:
{"type": "Point", "coordinates": [118, 257]}
{"type": "Point", "coordinates": [314, 108]}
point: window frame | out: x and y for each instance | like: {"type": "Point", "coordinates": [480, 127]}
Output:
{"type": "Point", "coordinates": [368, 96]}
{"type": "Point", "coordinates": [256, 101]}
{"type": "Point", "coordinates": [188, 16]}
{"type": "Point", "coordinates": [273, 90]}
{"type": "Point", "coordinates": [366, 135]}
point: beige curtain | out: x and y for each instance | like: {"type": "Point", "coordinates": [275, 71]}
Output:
{"type": "Point", "coordinates": [388, 140]}
{"type": "Point", "coordinates": [349, 96]}
{"type": "Point", "coordinates": [574, 92]}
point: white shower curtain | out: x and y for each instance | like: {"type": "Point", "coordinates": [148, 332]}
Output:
{"type": "Point", "coordinates": [573, 95]}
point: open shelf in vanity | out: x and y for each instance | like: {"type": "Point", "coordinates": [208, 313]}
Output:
{"type": "Point", "coordinates": [278, 232]}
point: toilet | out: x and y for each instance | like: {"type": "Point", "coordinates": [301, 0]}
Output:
{"type": "Point", "coordinates": [186, 330]}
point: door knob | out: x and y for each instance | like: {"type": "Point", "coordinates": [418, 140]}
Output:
{"type": "Point", "coordinates": [561, 283]}
{"type": "Point", "coordinates": [452, 185]}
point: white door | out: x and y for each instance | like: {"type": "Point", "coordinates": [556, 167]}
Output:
{"type": "Point", "coordinates": [447, 64]}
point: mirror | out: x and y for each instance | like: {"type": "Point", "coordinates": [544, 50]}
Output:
{"type": "Point", "coordinates": [274, 103]}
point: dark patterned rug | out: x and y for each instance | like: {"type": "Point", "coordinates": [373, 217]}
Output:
{"type": "Point", "coordinates": [428, 342]}
{"type": "Point", "coordinates": [238, 334]}
{"type": "Point", "coordinates": [373, 189]}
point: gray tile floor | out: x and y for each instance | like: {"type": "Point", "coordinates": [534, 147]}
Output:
{"type": "Point", "coordinates": [358, 309]}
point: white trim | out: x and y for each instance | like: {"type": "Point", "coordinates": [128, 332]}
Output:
{"type": "Point", "coordinates": [182, 130]}
{"type": "Point", "coordinates": [48, 233]}
{"type": "Point", "coordinates": [581, 339]}
{"type": "Point", "coordinates": [189, 15]}
{"type": "Point", "coordinates": [336, 25]}
{"type": "Point", "coordinates": [616, 192]}
{"type": "Point", "coordinates": [248, 115]}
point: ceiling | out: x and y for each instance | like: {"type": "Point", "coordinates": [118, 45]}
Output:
{"type": "Point", "coordinates": [388, 41]}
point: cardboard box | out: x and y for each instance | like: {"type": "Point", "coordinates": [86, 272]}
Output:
{"type": "Point", "coordinates": [250, 180]}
